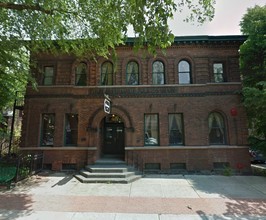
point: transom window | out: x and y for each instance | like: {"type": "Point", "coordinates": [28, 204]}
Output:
{"type": "Point", "coordinates": [81, 75]}
{"type": "Point", "coordinates": [176, 134]}
{"type": "Point", "coordinates": [132, 73]}
{"type": "Point", "coordinates": [151, 129]}
{"type": "Point", "coordinates": [71, 129]}
{"type": "Point", "coordinates": [48, 75]}
{"type": "Point", "coordinates": [218, 72]}
{"type": "Point", "coordinates": [47, 132]}
{"type": "Point", "coordinates": [158, 73]}
{"type": "Point", "coordinates": [216, 129]}
{"type": "Point", "coordinates": [184, 74]}
{"type": "Point", "coordinates": [107, 73]}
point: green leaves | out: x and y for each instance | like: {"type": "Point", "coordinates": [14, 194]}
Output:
{"type": "Point", "coordinates": [13, 70]}
{"type": "Point", "coordinates": [107, 21]}
{"type": "Point", "coordinates": [253, 68]}
{"type": "Point", "coordinates": [83, 28]}
{"type": "Point", "coordinates": [201, 10]}
{"type": "Point", "coordinates": [255, 103]}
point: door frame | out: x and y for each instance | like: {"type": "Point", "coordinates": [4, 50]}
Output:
{"type": "Point", "coordinates": [117, 144]}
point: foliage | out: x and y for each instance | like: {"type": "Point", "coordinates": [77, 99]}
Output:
{"type": "Point", "coordinates": [258, 171]}
{"type": "Point", "coordinates": [258, 144]}
{"type": "Point", "coordinates": [252, 62]}
{"type": "Point", "coordinates": [253, 68]}
{"type": "Point", "coordinates": [81, 27]}
{"type": "Point", "coordinates": [13, 71]}
{"type": "Point", "coordinates": [255, 103]}
{"type": "Point", "coordinates": [227, 171]}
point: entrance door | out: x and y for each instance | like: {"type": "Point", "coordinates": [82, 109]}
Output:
{"type": "Point", "coordinates": [114, 138]}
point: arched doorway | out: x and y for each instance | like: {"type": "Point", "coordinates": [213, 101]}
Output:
{"type": "Point", "coordinates": [113, 136]}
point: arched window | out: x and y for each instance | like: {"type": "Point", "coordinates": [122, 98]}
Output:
{"type": "Point", "coordinates": [132, 73]}
{"type": "Point", "coordinates": [158, 73]}
{"type": "Point", "coordinates": [107, 73]}
{"type": "Point", "coordinates": [217, 134]}
{"type": "Point", "coordinates": [81, 75]}
{"type": "Point", "coordinates": [184, 74]}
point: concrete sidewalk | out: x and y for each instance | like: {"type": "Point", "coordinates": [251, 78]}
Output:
{"type": "Point", "coordinates": [155, 197]}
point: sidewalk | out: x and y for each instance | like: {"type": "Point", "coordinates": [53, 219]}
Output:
{"type": "Point", "coordinates": [156, 197]}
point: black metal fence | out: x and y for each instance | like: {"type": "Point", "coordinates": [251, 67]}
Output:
{"type": "Point", "coordinates": [27, 165]}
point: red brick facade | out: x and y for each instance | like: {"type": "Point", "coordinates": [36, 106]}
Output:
{"type": "Point", "coordinates": [194, 101]}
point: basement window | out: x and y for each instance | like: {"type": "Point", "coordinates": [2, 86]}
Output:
{"type": "Point", "coordinates": [220, 165]}
{"type": "Point", "coordinates": [178, 166]}
{"type": "Point", "coordinates": [152, 167]}
{"type": "Point", "coordinates": [69, 166]}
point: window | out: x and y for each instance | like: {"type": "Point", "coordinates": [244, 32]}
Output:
{"type": "Point", "coordinates": [218, 72]}
{"type": "Point", "coordinates": [132, 74]}
{"type": "Point", "coordinates": [184, 72]}
{"type": "Point", "coordinates": [48, 75]}
{"type": "Point", "coordinates": [47, 132]}
{"type": "Point", "coordinates": [81, 75]}
{"type": "Point", "coordinates": [158, 73]}
{"type": "Point", "coordinates": [71, 129]}
{"type": "Point", "coordinates": [151, 130]}
{"type": "Point", "coordinates": [176, 129]}
{"type": "Point", "coordinates": [107, 73]}
{"type": "Point", "coordinates": [216, 128]}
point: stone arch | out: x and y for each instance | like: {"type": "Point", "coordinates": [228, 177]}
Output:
{"type": "Point", "coordinates": [99, 114]}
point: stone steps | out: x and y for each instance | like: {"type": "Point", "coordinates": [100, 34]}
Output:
{"type": "Point", "coordinates": [108, 170]}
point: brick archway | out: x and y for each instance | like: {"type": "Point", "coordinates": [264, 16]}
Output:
{"type": "Point", "coordinates": [98, 115]}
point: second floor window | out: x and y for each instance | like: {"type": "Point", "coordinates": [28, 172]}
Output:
{"type": "Point", "coordinates": [184, 74]}
{"type": "Point", "coordinates": [132, 74]}
{"type": "Point", "coordinates": [81, 75]}
{"type": "Point", "coordinates": [107, 73]}
{"type": "Point", "coordinates": [218, 72]}
{"type": "Point", "coordinates": [158, 73]}
{"type": "Point", "coordinates": [48, 75]}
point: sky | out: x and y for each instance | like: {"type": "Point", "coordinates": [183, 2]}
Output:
{"type": "Point", "coordinates": [228, 14]}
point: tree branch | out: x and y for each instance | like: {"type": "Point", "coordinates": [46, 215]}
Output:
{"type": "Point", "coordinates": [21, 7]}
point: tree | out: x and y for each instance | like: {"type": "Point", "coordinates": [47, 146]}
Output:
{"type": "Point", "coordinates": [253, 68]}
{"type": "Point", "coordinates": [81, 27]}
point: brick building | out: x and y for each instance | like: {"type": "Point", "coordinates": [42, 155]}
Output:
{"type": "Point", "coordinates": [178, 110]}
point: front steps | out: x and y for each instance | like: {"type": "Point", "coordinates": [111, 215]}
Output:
{"type": "Point", "coordinates": [108, 171]}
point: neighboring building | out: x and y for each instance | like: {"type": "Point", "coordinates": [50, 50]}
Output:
{"type": "Point", "coordinates": [178, 110]}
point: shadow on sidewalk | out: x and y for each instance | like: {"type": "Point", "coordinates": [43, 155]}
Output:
{"type": "Point", "coordinates": [14, 206]}
{"type": "Point", "coordinates": [239, 209]}
{"type": "Point", "coordinates": [63, 181]}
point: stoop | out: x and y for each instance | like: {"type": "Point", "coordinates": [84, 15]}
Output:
{"type": "Point", "coordinates": [108, 171]}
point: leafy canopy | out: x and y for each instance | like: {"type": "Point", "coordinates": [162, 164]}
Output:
{"type": "Point", "coordinates": [253, 68]}
{"type": "Point", "coordinates": [93, 27]}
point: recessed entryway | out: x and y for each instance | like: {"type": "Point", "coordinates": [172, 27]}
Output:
{"type": "Point", "coordinates": [113, 136]}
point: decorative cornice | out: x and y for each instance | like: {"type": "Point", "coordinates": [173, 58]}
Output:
{"type": "Point", "coordinates": [138, 92]}
{"type": "Point", "coordinates": [201, 40]}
